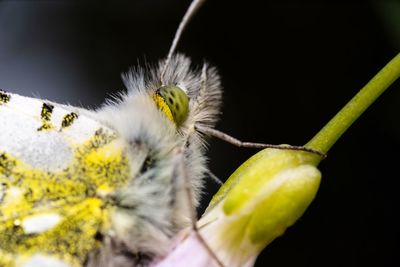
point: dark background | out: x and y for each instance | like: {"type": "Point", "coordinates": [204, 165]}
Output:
{"type": "Point", "coordinates": [287, 67]}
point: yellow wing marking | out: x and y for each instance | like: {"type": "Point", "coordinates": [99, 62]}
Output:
{"type": "Point", "coordinates": [68, 120]}
{"type": "Point", "coordinates": [78, 194]}
{"type": "Point", "coordinates": [4, 97]}
{"type": "Point", "coordinates": [45, 115]}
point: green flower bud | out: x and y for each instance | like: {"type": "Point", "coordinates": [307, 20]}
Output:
{"type": "Point", "coordinates": [263, 197]}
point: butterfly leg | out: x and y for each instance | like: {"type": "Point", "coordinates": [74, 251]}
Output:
{"type": "Point", "coordinates": [193, 214]}
{"type": "Point", "coordinates": [232, 140]}
{"type": "Point", "coordinates": [214, 178]}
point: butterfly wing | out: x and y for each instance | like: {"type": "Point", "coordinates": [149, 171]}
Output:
{"type": "Point", "coordinates": [57, 168]}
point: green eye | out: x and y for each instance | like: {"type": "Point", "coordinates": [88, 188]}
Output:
{"type": "Point", "coordinates": [174, 102]}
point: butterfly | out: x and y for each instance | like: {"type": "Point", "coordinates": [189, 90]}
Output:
{"type": "Point", "coordinates": [104, 187]}
{"type": "Point", "coordinates": [84, 187]}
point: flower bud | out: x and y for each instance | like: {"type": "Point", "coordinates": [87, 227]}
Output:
{"type": "Point", "coordinates": [263, 197]}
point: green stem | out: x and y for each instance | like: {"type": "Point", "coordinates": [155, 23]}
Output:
{"type": "Point", "coordinates": [332, 131]}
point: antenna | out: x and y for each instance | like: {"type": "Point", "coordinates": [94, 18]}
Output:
{"type": "Point", "coordinates": [190, 12]}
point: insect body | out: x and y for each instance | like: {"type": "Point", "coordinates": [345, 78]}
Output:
{"type": "Point", "coordinates": [103, 188]}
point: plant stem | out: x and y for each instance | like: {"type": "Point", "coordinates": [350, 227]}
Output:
{"type": "Point", "coordinates": [332, 131]}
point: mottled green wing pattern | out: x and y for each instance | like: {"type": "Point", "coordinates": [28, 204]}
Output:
{"type": "Point", "coordinates": [54, 214]}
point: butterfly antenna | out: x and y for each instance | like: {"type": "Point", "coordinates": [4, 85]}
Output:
{"type": "Point", "coordinates": [191, 11]}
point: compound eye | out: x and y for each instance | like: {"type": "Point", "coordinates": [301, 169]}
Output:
{"type": "Point", "coordinates": [173, 102]}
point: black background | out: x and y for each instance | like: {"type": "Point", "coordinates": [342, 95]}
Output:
{"type": "Point", "coordinates": [287, 67]}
